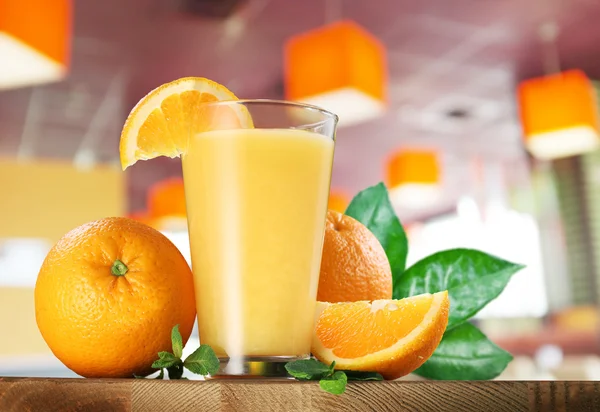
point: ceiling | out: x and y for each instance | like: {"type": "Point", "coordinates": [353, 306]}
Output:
{"type": "Point", "coordinates": [445, 56]}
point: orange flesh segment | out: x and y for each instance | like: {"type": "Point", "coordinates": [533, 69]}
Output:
{"type": "Point", "coordinates": [175, 119]}
{"type": "Point", "coordinates": [361, 334]}
{"type": "Point", "coordinates": [163, 121]}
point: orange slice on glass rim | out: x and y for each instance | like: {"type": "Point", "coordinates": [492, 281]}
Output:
{"type": "Point", "coordinates": [162, 122]}
{"type": "Point", "coordinates": [392, 337]}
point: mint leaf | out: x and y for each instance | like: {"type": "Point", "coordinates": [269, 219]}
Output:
{"type": "Point", "coordinates": [308, 369]}
{"type": "Point", "coordinates": [472, 278]}
{"type": "Point", "coordinates": [363, 376]}
{"type": "Point", "coordinates": [165, 360]}
{"type": "Point", "coordinates": [335, 384]}
{"type": "Point", "coordinates": [177, 341]}
{"type": "Point", "coordinates": [372, 207]}
{"type": "Point", "coordinates": [203, 361]}
{"type": "Point", "coordinates": [465, 353]}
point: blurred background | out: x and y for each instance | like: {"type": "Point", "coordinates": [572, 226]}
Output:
{"type": "Point", "coordinates": [479, 115]}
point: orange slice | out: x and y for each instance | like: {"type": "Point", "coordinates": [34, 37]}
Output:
{"type": "Point", "coordinates": [162, 122]}
{"type": "Point", "coordinates": [392, 337]}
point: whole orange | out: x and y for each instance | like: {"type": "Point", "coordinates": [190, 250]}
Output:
{"type": "Point", "coordinates": [109, 293]}
{"type": "Point", "coordinates": [354, 265]}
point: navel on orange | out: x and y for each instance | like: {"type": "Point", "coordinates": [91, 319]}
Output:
{"type": "Point", "coordinates": [162, 122]}
{"type": "Point", "coordinates": [109, 293]}
{"type": "Point", "coordinates": [392, 337]}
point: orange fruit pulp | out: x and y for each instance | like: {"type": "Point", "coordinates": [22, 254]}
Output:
{"type": "Point", "coordinates": [392, 337]}
{"type": "Point", "coordinates": [163, 121]}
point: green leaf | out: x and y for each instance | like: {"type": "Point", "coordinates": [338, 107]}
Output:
{"type": "Point", "coordinates": [465, 353]}
{"type": "Point", "coordinates": [308, 369]}
{"type": "Point", "coordinates": [472, 278]}
{"type": "Point", "coordinates": [177, 341]}
{"type": "Point", "coordinates": [363, 376]}
{"type": "Point", "coordinates": [203, 361]}
{"type": "Point", "coordinates": [165, 360]}
{"type": "Point", "coordinates": [372, 207]}
{"type": "Point", "coordinates": [335, 383]}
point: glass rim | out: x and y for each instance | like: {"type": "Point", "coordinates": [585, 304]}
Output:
{"type": "Point", "coordinates": [278, 102]}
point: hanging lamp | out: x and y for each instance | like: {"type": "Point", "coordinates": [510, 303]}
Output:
{"type": "Point", "coordinates": [35, 40]}
{"type": "Point", "coordinates": [339, 67]}
{"type": "Point", "coordinates": [413, 178]}
{"type": "Point", "coordinates": [166, 205]}
{"type": "Point", "coordinates": [559, 115]}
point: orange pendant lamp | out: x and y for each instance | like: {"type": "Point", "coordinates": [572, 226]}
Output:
{"type": "Point", "coordinates": [35, 39]}
{"type": "Point", "coordinates": [339, 67]}
{"type": "Point", "coordinates": [559, 115]}
{"type": "Point", "coordinates": [166, 205]}
{"type": "Point", "coordinates": [413, 178]}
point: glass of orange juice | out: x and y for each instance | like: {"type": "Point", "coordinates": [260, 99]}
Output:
{"type": "Point", "coordinates": [256, 187]}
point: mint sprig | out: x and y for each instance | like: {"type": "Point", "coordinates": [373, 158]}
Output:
{"type": "Point", "coordinates": [334, 383]}
{"type": "Point", "coordinates": [165, 360]}
{"type": "Point", "coordinates": [330, 380]}
{"type": "Point", "coordinates": [176, 342]}
{"type": "Point", "coordinates": [203, 361]}
{"type": "Point", "coordinates": [161, 374]}
{"type": "Point", "coordinates": [308, 369]}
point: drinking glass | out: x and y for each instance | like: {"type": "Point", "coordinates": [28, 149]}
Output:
{"type": "Point", "coordinates": [256, 184]}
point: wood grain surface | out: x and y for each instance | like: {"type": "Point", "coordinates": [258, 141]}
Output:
{"type": "Point", "coordinates": [29, 394]}
{"type": "Point", "coordinates": [25, 394]}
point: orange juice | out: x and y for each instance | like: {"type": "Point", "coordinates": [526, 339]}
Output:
{"type": "Point", "coordinates": [256, 204]}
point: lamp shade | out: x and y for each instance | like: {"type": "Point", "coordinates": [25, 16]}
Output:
{"type": "Point", "coordinates": [413, 178]}
{"type": "Point", "coordinates": [35, 38]}
{"type": "Point", "coordinates": [167, 198]}
{"type": "Point", "coordinates": [339, 67]}
{"type": "Point", "coordinates": [559, 115]}
{"type": "Point", "coordinates": [166, 205]}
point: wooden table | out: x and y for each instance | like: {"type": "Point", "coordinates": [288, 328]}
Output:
{"type": "Point", "coordinates": [29, 394]}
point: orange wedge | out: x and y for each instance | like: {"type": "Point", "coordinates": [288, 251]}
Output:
{"type": "Point", "coordinates": [162, 122]}
{"type": "Point", "coordinates": [392, 337]}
